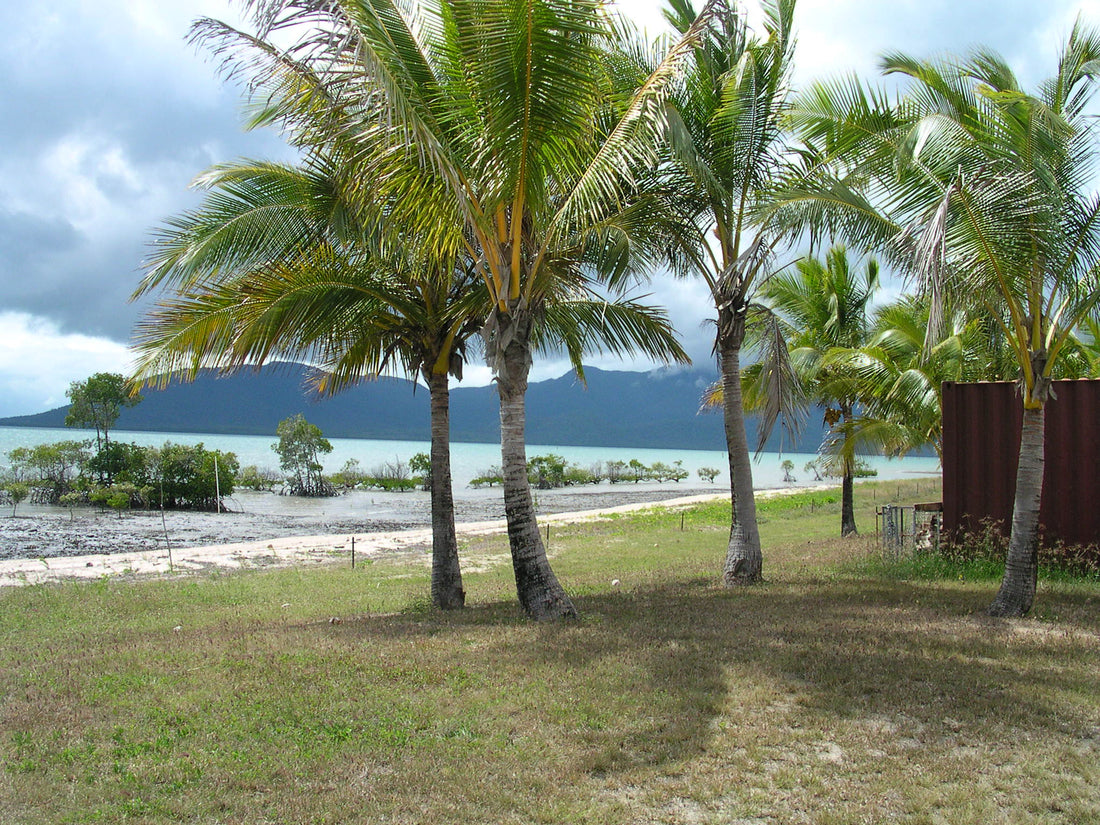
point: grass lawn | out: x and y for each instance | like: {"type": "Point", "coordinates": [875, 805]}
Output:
{"type": "Point", "coordinates": [841, 691]}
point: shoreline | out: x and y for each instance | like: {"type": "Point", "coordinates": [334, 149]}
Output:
{"type": "Point", "coordinates": [330, 546]}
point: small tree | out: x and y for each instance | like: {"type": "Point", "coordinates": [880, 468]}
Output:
{"type": "Point", "coordinates": [17, 492]}
{"type": "Point", "coordinates": [118, 497]}
{"type": "Point", "coordinates": [546, 471]}
{"type": "Point", "coordinates": [421, 466]}
{"type": "Point", "coordinates": [487, 477]}
{"type": "Point", "coordinates": [299, 449]}
{"type": "Point", "coordinates": [788, 471]}
{"type": "Point", "coordinates": [97, 402]}
{"type": "Point", "coordinates": [708, 473]}
{"type": "Point", "coordinates": [616, 471]}
{"type": "Point", "coordinates": [660, 471]}
{"type": "Point", "coordinates": [71, 500]}
{"type": "Point", "coordinates": [391, 476]}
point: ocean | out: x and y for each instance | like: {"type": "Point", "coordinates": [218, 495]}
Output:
{"type": "Point", "coordinates": [470, 460]}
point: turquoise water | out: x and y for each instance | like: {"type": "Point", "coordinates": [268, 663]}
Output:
{"type": "Point", "coordinates": [468, 460]}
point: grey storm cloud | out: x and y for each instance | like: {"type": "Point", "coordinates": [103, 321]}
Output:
{"type": "Point", "coordinates": [103, 126]}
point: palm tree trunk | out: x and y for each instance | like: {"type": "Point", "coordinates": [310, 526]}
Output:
{"type": "Point", "coordinates": [1017, 591]}
{"type": "Point", "coordinates": [847, 494]}
{"type": "Point", "coordinates": [540, 594]}
{"type": "Point", "coordinates": [447, 592]}
{"type": "Point", "coordinates": [744, 561]}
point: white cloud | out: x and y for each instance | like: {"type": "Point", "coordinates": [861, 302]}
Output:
{"type": "Point", "coordinates": [38, 362]}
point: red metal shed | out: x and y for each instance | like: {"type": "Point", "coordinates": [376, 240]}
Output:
{"type": "Point", "coordinates": [981, 447]}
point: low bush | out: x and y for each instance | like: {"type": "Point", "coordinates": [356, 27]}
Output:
{"type": "Point", "coordinates": [260, 479]}
{"type": "Point", "coordinates": [487, 478]}
{"type": "Point", "coordinates": [191, 477]}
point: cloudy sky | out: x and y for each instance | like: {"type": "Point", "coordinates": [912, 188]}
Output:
{"type": "Point", "coordinates": [107, 114]}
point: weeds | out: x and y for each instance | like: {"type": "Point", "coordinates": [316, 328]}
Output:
{"type": "Point", "coordinates": [979, 557]}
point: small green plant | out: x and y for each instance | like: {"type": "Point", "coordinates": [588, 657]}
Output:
{"type": "Point", "coordinates": [575, 476]}
{"type": "Point", "coordinates": [708, 473]}
{"type": "Point", "coordinates": [546, 471]}
{"type": "Point", "coordinates": [70, 501]}
{"type": "Point", "coordinates": [615, 471]}
{"type": "Point", "coordinates": [119, 497]}
{"type": "Point", "coordinates": [119, 501]}
{"type": "Point", "coordinates": [17, 491]}
{"type": "Point", "coordinates": [863, 470]}
{"type": "Point", "coordinates": [52, 469]}
{"type": "Point", "coordinates": [185, 476]}
{"type": "Point", "coordinates": [421, 467]}
{"type": "Point", "coordinates": [829, 467]}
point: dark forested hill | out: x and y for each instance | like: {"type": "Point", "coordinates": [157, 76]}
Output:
{"type": "Point", "coordinates": [616, 409]}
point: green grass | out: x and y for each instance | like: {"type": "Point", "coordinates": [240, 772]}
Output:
{"type": "Point", "coordinates": [836, 692]}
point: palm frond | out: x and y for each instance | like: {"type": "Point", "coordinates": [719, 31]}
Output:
{"type": "Point", "coordinates": [619, 327]}
{"type": "Point", "coordinates": [776, 393]}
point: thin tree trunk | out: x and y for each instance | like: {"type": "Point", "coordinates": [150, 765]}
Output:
{"type": "Point", "coordinates": [744, 561]}
{"type": "Point", "coordinates": [847, 495]}
{"type": "Point", "coordinates": [1017, 591]}
{"type": "Point", "coordinates": [447, 592]}
{"type": "Point", "coordinates": [540, 594]}
{"type": "Point", "coordinates": [847, 503]}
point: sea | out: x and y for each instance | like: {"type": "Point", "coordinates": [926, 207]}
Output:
{"type": "Point", "coordinates": [471, 460]}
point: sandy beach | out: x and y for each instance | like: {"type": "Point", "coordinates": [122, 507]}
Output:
{"type": "Point", "coordinates": [46, 544]}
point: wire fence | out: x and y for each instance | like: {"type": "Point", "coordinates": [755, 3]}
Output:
{"type": "Point", "coordinates": [907, 529]}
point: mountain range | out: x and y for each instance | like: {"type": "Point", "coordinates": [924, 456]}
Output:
{"type": "Point", "coordinates": [656, 409]}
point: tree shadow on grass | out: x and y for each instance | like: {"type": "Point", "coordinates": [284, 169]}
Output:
{"type": "Point", "coordinates": [644, 678]}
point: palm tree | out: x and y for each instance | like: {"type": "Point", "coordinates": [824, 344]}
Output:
{"type": "Point", "coordinates": [489, 130]}
{"type": "Point", "coordinates": [900, 372]}
{"type": "Point", "coordinates": [726, 144]}
{"type": "Point", "coordinates": [280, 261]}
{"type": "Point", "coordinates": [823, 306]}
{"type": "Point", "coordinates": [981, 190]}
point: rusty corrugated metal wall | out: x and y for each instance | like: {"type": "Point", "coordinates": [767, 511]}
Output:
{"type": "Point", "coordinates": [981, 447]}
